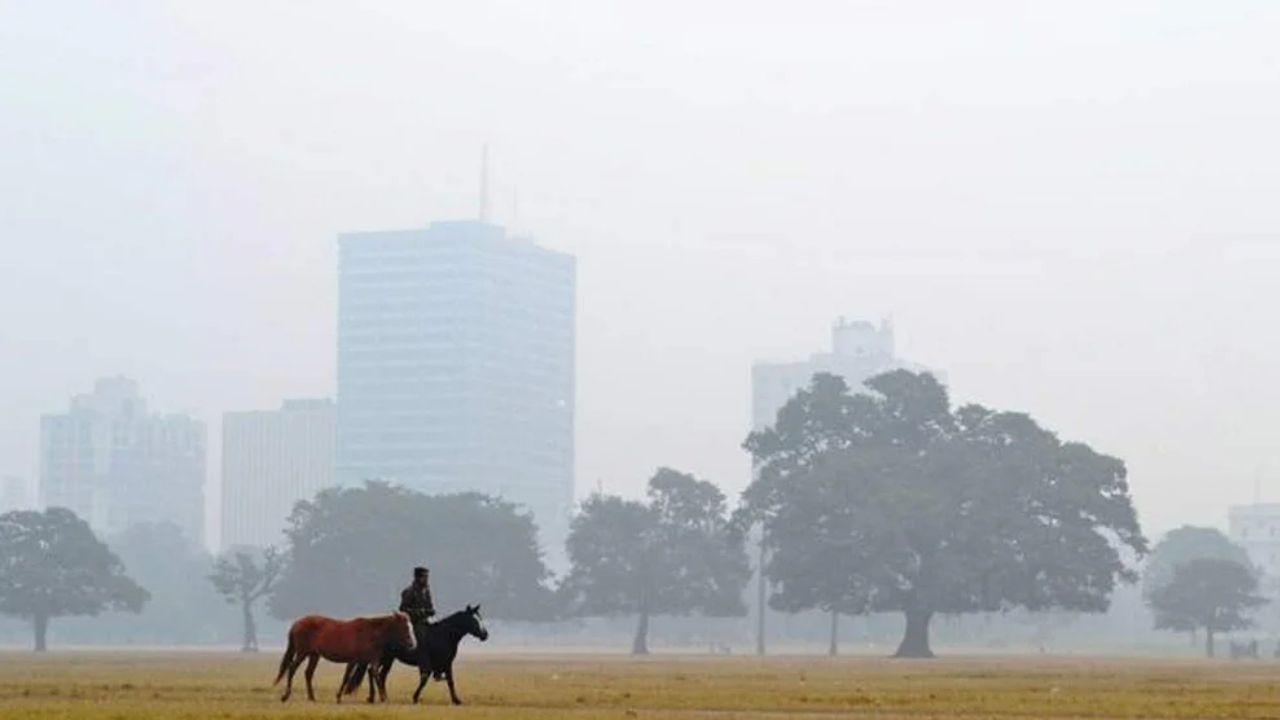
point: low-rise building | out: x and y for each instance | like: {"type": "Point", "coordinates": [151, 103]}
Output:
{"type": "Point", "coordinates": [271, 459]}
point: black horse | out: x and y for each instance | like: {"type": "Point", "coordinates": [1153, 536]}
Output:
{"type": "Point", "coordinates": [438, 644]}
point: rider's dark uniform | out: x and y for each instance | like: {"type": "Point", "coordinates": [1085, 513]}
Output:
{"type": "Point", "coordinates": [415, 601]}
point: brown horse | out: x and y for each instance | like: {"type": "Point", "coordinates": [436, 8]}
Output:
{"type": "Point", "coordinates": [362, 640]}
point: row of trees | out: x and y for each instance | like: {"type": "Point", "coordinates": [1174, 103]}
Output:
{"type": "Point", "coordinates": [1195, 580]}
{"type": "Point", "coordinates": [349, 550]}
{"type": "Point", "coordinates": [886, 500]}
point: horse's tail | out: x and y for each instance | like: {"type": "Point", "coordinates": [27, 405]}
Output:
{"type": "Point", "coordinates": [286, 660]}
{"type": "Point", "coordinates": [357, 676]}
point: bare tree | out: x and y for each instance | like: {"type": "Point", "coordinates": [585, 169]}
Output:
{"type": "Point", "coordinates": [241, 578]}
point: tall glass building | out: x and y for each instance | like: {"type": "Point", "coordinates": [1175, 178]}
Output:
{"type": "Point", "coordinates": [456, 366]}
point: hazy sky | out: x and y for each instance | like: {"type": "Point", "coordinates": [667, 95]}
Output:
{"type": "Point", "coordinates": [1070, 208]}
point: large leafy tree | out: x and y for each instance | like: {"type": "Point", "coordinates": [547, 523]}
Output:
{"type": "Point", "coordinates": [894, 501]}
{"type": "Point", "coordinates": [243, 577]}
{"type": "Point", "coordinates": [815, 421]}
{"type": "Point", "coordinates": [1210, 593]}
{"type": "Point", "coordinates": [52, 565]}
{"type": "Point", "coordinates": [1183, 545]}
{"type": "Point", "coordinates": [351, 551]}
{"type": "Point", "coordinates": [673, 555]}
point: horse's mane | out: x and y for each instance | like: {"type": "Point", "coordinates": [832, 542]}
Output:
{"type": "Point", "coordinates": [452, 618]}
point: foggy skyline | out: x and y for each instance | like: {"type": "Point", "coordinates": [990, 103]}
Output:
{"type": "Point", "coordinates": [1068, 209]}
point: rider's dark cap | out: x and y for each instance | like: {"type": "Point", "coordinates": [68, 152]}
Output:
{"type": "Point", "coordinates": [419, 571]}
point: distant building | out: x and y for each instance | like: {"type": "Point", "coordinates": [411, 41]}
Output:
{"type": "Point", "coordinates": [859, 351]}
{"type": "Point", "coordinates": [1256, 528]}
{"type": "Point", "coordinates": [456, 366]}
{"type": "Point", "coordinates": [115, 465]}
{"type": "Point", "coordinates": [13, 494]}
{"type": "Point", "coordinates": [271, 459]}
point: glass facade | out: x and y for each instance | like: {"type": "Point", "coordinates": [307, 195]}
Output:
{"type": "Point", "coordinates": [456, 366]}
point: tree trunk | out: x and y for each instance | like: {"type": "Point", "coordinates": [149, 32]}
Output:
{"type": "Point", "coordinates": [760, 599]}
{"type": "Point", "coordinates": [915, 640]}
{"type": "Point", "coordinates": [1195, 639]}
{"type": "Point", "coordinates": [834, 648]}
{"type": "Point", "coordinates": [41, 624]}
{"type": "Point", "coordinates": [640, 646]}
{"type": "Point", "coordinates": [1208, 642]}
{"type": "Point", "coordinates": [250, 628]}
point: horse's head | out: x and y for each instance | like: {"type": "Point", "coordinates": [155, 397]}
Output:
{"type": "Point", "coordinates": [475, 623]}
{"type": "Point", "coordinates": [402, 631]}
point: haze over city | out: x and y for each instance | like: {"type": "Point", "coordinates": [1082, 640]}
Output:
{"type": "Point", "coordinates": [1066, 209]}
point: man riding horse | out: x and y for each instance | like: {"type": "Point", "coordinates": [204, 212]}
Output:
{"type": "Point", "coordinates": [415, 601]}
{"type": "Point", "coordinates": [435, 646]}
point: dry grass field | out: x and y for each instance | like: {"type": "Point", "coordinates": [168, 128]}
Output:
{"type": "Point", "coordinates": [124, 686]}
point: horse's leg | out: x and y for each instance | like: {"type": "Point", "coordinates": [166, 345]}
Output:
{"type": "Point", "coordinates": [293, 668]}
{"type": "Point", "coordinates": [448, 676]}
{"type": "Point", "coordinates": [372, 671]}
{"type": "Point", "coordinates": [380, 674]}
{"type": "Point", "coordinates": [375, 669]}
{"type": "Point", "coordinates": [346, 678]}
{"type": "Point", "coordinates": [423, 677]}
{"type": "Point", "coordinates": [312, 662]}
{"type": "Point", "coordinates": [382, 679]}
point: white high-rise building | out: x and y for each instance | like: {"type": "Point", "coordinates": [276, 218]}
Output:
{"type": "Point", "coordinates": [271, 459]}
{"type": "Point", "coordinates": [1256, 528]}
{"type": "Point", "coordinates": [859, 351]}
{"type": "Point", "coordinates": [115, 464]}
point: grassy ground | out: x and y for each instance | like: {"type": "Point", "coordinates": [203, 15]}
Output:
{"type": "Point", "coordinates": [108, 685]}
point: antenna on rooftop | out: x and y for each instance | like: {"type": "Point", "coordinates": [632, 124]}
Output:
{"type": "Point", "coordinates": [484, 183]}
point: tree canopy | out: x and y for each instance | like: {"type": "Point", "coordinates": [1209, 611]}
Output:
{"type": "Point", "coordinates": [892, 500]}
{"type": "Point", "coordinates": [673, 555]}
{"type": "Point", "coordinates": [351, 550]}
{"type": "Point", "coordinates": [1183, 545]}
{"type": "Point", "coordinates": [1210, 593]}
{"type": "Point", "coordinates": [52, 565]}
